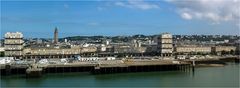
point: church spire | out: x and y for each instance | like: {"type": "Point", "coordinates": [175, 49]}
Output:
{"type": "Point", "coordinates": [55, 35]}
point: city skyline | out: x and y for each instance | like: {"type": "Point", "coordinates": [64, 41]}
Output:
{"type": "Point", "coordinates": [111, 18]}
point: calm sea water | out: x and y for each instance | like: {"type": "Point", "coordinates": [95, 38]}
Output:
{"type": "Point", "coordinates": [227, 76]}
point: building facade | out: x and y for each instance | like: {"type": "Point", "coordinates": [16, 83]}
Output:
{"type": "Point", "coordinates": [13, 44]}
{"type": "Point", "coordinates": [165, 46]}
{"type": "Point", "coordinates": [224, 49]}
{"type": "Point", "coordinates": [192, 49]}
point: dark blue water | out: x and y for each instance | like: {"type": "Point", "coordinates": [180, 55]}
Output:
{"type": "Point", "coordinates": [227, 76]}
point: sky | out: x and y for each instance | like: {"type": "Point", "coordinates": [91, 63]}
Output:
{"type": "Point", "coordinates": [123, 17]}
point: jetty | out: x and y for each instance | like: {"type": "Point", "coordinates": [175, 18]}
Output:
{"type": "Point", "coordinates": [113, 66]}
{"type": "Point", "coordinates": [97, 67]}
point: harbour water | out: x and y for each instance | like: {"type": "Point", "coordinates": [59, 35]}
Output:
{"type": "Point", "coordinates": [226, 76]}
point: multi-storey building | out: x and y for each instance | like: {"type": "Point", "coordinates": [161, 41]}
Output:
{"type": "Point", "coordinates": [13, 44]}
{"type": "Point", "coordinates": [223, 48]}
{"type": "Point", "coordinates": [165, 46]}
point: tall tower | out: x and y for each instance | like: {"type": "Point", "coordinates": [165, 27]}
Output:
{"type": "Point", "coordinates": [165, 46]}
{"type": "Point", "coordinates": [55, 35]}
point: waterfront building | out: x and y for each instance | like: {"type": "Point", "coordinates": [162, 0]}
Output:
{"type": "Point", "coordinates": [2, 49]}
{"type": "Point", "coordinates": [224, 49]}
{"type": "Point", "coordinates": [164, 45]}
{"type": "Point", "coordinates": [44, 51]}
{"type": "Point", "coordinates": [192, 49]}
{"type": "Point", "coordinates": [13, 44]}
{"type": "Point", "coordinates": [54, 51]}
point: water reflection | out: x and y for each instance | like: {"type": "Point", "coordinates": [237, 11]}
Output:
{"type": "Point", "coordinates": [226, 76]}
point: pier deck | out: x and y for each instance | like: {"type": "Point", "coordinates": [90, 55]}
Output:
{"type": "Point", "coordinates": [117, 63]}
{"type": "Point", "coordinates": [114, 66]}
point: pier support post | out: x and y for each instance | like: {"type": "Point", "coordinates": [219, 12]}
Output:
{"type": "Point", "coordinates": [8, 69]}
{"type": "Point", "coordinates": [193, 66]}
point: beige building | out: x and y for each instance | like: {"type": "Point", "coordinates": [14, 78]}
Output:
{"type": "Point", "coordinates": [165, 46]}
{"type": "Point", "coordinates": [140, 49]}
{"type": "Point", "coordinates": [223, 48]}
{"type": "Point", "coordinates": [13, 44]}
{"type": "Point", "coordinates": [54, 51]}
{"type": "Point", "coordinates": [193, 49]}
{"type": "Point", "coordinates": [129, 49]}
{"type": "Point", "coordinates": [123, 49]}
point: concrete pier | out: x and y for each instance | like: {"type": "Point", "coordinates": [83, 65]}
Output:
{"type": "Point", "coordinates": [140, 68]}
{"type": "Point", "coordinates": [8, 69]}
{"type": "Point", "coordinates": [113, 66]}
{"type": "Point", "coordinates": [101, 67]}
{"type": "Point", "coordinates": [34, 71]}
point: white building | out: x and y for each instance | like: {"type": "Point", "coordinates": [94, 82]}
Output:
{"type": "Point", "coordinates": [107, 42]}
{"type": "Point", "coordinates": [165, 46]}
{"type": "Point", "coordinates": [13, 44]}
{"type": "Point", "coordinates": [101, 48]}
{"type": "Point", "coordinates": [136, 43]}
{"type": "Point", "coordinates": [2, 49]}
